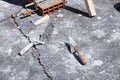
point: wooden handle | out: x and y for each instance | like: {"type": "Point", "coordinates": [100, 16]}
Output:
{"type": "Point", "coordinates": [81, 56]}
{"type": "Point", "coordinates": [24, 50]}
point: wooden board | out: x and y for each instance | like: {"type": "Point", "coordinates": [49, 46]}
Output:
{"type": "Point", "coordinates": [90, 7]}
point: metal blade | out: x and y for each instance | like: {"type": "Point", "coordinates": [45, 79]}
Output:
{"type": "Point", "coordinates": [72, 42]}
{"type": "Point", "coordinates": [47, 33]}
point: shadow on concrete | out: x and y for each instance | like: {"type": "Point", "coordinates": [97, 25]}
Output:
{"type": "Point", "coordinates": [117, 7]}
{"type": "Point", "coordinates": [74, 53]}
{"type": "Point", "coordinates": [76, 11]}
{"type": "Point", "coordinates": [77, 58]}
{"type": "Point", "coordinates": [68, 46]}
{"type": "Point", "coordinates": [16, 2]}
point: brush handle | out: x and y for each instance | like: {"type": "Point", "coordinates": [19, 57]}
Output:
{"type": "Point", "coordinates": [81, 56]}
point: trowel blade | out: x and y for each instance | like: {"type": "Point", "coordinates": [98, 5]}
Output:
{"type": "Point", "coordinates": [47, 33]}
{"type": "Point", "coordinates": [72, 42]}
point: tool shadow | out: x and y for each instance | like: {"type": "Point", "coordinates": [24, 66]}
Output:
{"type": "Point", "coordinates": [74, 53]}
{"type": "Point", "coordinates": [74, 10]}
{"type": "Point", "coordinates": [117, 7]}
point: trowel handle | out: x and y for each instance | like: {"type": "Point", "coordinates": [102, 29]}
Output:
{"type": "Point", "coordinates": [81, 56]}
{"type": "Point", "coordinates": [25, 49]}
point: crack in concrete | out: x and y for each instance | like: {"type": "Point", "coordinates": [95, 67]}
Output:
{"type": "Point", "coordinates": [27, 37]}
{"type": "Point", "coordinates": [6, 19]}
{"type": "Point", "coordinates": [36, 57]}
{"type": "Point", "coordinates": [39, 60]}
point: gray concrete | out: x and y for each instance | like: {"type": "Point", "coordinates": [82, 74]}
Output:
{"type": "Point", "coordinates": [9, 7]}
{"type": "Point", "coordinates": [98, 38]}
{"type": "Point", "coordinates": [13, 66]}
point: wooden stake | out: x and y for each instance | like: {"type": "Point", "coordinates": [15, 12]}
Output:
{"type": "Point", "coordinates": [90, 7]}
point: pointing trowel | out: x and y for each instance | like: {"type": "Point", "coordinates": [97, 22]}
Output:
{"type": "Point", "coordinates": [74, 46]}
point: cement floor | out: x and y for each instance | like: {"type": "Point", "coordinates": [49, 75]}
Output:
{"type": "Point", "coordinates": [97, 37]}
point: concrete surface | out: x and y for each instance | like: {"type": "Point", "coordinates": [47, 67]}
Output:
{"type": "Point", "coordinates": [97, 37]}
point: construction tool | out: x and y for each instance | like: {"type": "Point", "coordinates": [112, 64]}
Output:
{"type": "Point", "coordinates": [28, 11]}
{"type": "Point", "coordinates": [19, 14]}
{"type": "Point", "coordinates": [48, 6]}
{"type": "Point", "coordinates": [43, 19]}
{"type": "Point", "coordinates": [25, 13]}
{"type": "Point", "coordinates": [74, 46]}
{"type": "Point", "coordinates": [47, 33]}
{"type": "Point", "coordinates": [26, 27]}
{"type": "Point", "coordinates": [25, 49]}
{"type": "Point", "coordinates": [35, 22]}
{"type": "Point", "coordinates": [42, 40]}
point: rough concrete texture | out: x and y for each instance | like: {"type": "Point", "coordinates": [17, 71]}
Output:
{"type": "Point", "coordinates": [9, 7]}
{"type": "Point", "coordinates": [97, 37]}
{"type": "Point", "coordinates": [13, 66]}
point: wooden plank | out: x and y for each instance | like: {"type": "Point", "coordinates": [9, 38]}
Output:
{"type": "Point", "coordinates": [90, 7]}
{"type": "Point", "coordinates": [41, 20]}
{"type": "Point", "coordinates": [26, 48]}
